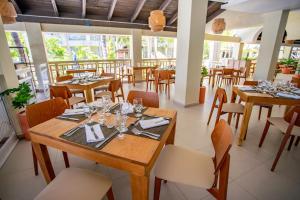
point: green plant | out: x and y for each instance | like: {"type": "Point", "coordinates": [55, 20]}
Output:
{"type": "Point", "coordinates": [204, 73]}
{"type": "Point", "coordinates": [22, 97]}
{"type": "Point", "coordinates": [288, 62]}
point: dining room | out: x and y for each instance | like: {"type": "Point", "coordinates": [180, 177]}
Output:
{"type": "Point", "coordinates": [140, 99]}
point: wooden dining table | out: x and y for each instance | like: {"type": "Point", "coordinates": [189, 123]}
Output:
{"type": "Point", "coordinates": [87, 87]}
{"type": "Point", "coordinates": [133, 154]}
{"type": "Point", "coordinates": [252, 98]}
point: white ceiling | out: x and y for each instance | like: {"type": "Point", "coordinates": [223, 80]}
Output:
{"type": "Point", "coordinates": [261, 6]}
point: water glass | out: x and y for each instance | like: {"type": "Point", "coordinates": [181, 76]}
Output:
{"type": "Point", "coordinates": [101, 117]}
{"type": "Point", "coordinates": [88, 113]}
{"type": "Point", "coordinates": [138, 106]}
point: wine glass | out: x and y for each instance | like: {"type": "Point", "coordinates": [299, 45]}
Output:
{"type": "Point", "coordinates": [101, 117]}
{"type": "Point", "coordinates": [138, 106]}
{"type": "Point", "coordinates": [88, 113]}
{"type": "Point", "coordinates": [120, 124]}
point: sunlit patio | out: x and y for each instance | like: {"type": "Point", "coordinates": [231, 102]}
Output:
{"type": "Point", "coordinates": [141, 100]}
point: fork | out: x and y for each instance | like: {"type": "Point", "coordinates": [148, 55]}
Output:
{"type": "Point", "coordinates": [138, 132]}
{"type": "Point", "coordinates": [93, 130]}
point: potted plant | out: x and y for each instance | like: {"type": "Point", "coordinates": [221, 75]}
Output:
{"type": "Point", "coordinates": [289, 64]}
{"type": "Point", "coordinates": [20, 99]}
{"type": "Point", "coordinates": [202, 90]}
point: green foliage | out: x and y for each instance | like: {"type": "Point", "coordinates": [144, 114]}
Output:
{"type": "Point", "coordinates": [288, 61]}
{"type": "Point", "coordinates": [204, 73]}
{"type": "Point", "coordinates": [55, 50]}
{"type": "Point", "coordinates": [22, 97]}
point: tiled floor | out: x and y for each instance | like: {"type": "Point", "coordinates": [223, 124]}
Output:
{"type": "Point", "coordinates": [250, 175]}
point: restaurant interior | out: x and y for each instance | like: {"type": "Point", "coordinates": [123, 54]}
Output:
{"type": "Point", "coordinates": [149, 99]}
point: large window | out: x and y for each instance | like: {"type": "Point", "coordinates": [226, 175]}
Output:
{"type": "Point", "coordinates": [73, 46]}
{"type": "Point", "coordinates": [158, 47]}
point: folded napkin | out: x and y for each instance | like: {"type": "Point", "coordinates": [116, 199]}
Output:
{"type": "Point", "coordinates": [246, 88]}
{"type": "Point", "coordinates": [90, 134]}
{"type": "Point", "coordinates": [127, 108]}
{"type": "Point", "coordinates": [297, 92]}
{"type": "Point", "coordinates": [74, 112]}
{"type": "Point", "coordinates": [150, 123]}
{"type": "Point", "coordinates": [288, 95]}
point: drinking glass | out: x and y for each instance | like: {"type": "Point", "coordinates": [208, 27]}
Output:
{"type": "Point", "coordinates": [106, 104]}
{"type": "Point", "coordinates": [120, 124]}
{"type": "Point", "coordinates": [101, 117]}
{"type": "Point", "coordinates": [138, 106]}
{"type": "Point", "coordinates": [88, 113]}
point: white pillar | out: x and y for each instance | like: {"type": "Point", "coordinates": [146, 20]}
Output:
{"type": "Point", "coordinates": [38, 51]}
{"type": "Point", "coordinates": [240, 51]}
{"type": "Point", "coordinates": [214, 52]}
{"type": "Point", "coordinates": [8, 76]}
{"type": "Point", "coordinates": [190, 41]}
{"type": "Point", "coordinates": [136, 47]}
{"type": "Point", "coordinates": [273, 31]}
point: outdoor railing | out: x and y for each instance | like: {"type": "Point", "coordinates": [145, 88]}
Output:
{"type": "Point", "coordinates": [117, 66]}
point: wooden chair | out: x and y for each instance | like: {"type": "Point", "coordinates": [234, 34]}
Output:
{"type": "Point", "coordinates": [150, 99]}
{"type": "Point", "coordinates": [163, 78]}
{"type": "Point", "coordinates": [114, 87]}
{"type": "Point", "coordinates": [224, 107]}
{"type": "Point", "coordinates": [227, 76]}
{"type": "Point", "coordinates": [261, 106]}
{"type": "Point", "coordinates": [193, 168]}
{"type": "Point", "coordinates": [103, 87]}
{"type": "Point", "coordinates": [41, 112]}
{"type": "Point", "coordinates": [77, 184]}
{"type": "Point", "coordinates": [126, 72]}
{"type": "Point", "coordinates": [103, 93]}
{"type": "Point", "coordinates": [289, 126]}
{"type": "Point", "coordinates": [65, 93]}
{"type": "Point", "coordinates": [66, 78]}
{"type": "Point", "coordinates": [150, 78]}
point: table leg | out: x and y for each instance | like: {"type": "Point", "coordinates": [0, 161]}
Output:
{"type": "Point", "coordinates": [139, 187]}
{"type": "Point", "coordinates": [213, 79]}
{"type": "Point", "coordinates": [246, 119]}
{"type": "Point", "coordinates": [171, 137]}
{"type": "Point", "coordinates": [89, 95]}
{"type": "Point", "coordinates": [42, 156]}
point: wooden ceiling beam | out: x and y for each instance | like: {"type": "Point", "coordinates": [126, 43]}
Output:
{"type": "Point", "coordinates": [18, 10]}
{"type": "Point", "coordinates": [55, 8]}
{"type": "Point", "coordinates": [165, 4]}
{"type": "Point", "coordinates": [83, 14]}
{"type": "Point", "coordinates": [111, 9]}
{"type": "Point", "coordinates": [138, 10]}
{"type": "Point", "coordinates": [173, 19]}
{"type": "Point", "coordinates": [86, 22]}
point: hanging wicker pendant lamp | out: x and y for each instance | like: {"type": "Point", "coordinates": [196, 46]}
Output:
{"type": "Point", "coordinates": [218, 25]}
{"type": "Point", "coordinates": [7, 12]}
{"type": "Point", "coordinates": [157, 20]}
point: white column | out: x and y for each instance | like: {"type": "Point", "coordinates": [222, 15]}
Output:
{"type": "Point", "coordinates": [8, 76]}
{"type": "Point", "coordinates": [190, 41]}
{"type": "Point", "coordinates": [273, 31]}
{"type": "Point", "coordinates": [136, 51]}
{"type": "Point", "coordinates": [214, 53]}
{"type": "Point", "coordinates": [240, 52]}
{"type": "Point", "coordinates": [38, 51]}
{"type": "Point", "coordinates": [136, 47]}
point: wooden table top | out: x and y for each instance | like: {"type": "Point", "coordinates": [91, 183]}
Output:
{"type": "Point", "coordinates": [132, 148]}
{"type": "Point", "coordinates": [264, 98]}
{"type": "Point", "coordinates": [103, 80]}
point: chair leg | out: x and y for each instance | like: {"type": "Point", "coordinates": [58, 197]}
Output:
{"type": "Point", "coordinates": [264, 133]}
{"type": "Point", "coordinates": [269, 112]}
{"type": "Point", "coordinates": [291, 142]}
{"type": "Point", "coordinates": [66, 159]}
{"type": "Point", "coordinates": [297, 141]}
{"type": "Point", "coordinates": [157, 186]}
{"type": "Point", "coordinates": [259, 114]}
{"type": "Point", "coordinates": [283, 143]}
{"type": "Point", "coordinates": [237, 121]}
{"type": "Point", "coordinates": [110, 194]}
{"type": "Point", "coordinates": [35, 163]}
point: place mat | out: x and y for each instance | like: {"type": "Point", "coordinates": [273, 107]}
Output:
{"type": "Point", "coordinates": [79, 137]}
{"type": "Point", "coordinates": [160, 130]}
{"type": "Point", "coordinates": [79, 117]}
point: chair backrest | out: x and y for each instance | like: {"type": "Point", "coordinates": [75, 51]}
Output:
{"type": "Point", "coordinates": [251, 83]}
{"type": "Point", "coordinates": [227, 71]}
{"type": "Point", "coordinates": [222, 141]}
{"type": "Point", "coordinates": [107, 74]}
{"type": "Point", "coordinates": [164, 75]}
{"type": "Point", "coordinates": [296, 81]}
{"type": "Point", "coordinates": [221, 96]}
{"type": "Point", "coordinates": [43, 111]}
{"type": "Point", "coordinates": [63, 78]}
{"type": "Point", "coordinates": [290, 114]}
{"type": "Point", "coordinates": [150, 99]}
{"type": "Point", "coordinates": [115, 85]}
{"type": "Point", "coordinates": [60, 91]}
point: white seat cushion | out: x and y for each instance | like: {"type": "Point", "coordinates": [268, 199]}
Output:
{"type": "Point", "coordinates": [282, 125]}
{"type": "Point", "coordinates": [233, 108]}
{"type": "Point", "coordinates": [76, 184]}
{"type": "Point", "coordinates": [185, 166]}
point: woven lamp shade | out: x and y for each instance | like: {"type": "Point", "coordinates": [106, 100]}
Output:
{"type": "Point", "coordinates": [7, 12]}
{"type": "Point", "coordinates": [218, 25]}
{"type": "Point", "coordinates": [157, 20]}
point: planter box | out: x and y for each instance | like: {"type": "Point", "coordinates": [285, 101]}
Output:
{"type": "Point", "coordinates": [24, 124]}
{"type": "Point", "coordinates": [202, 91]}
